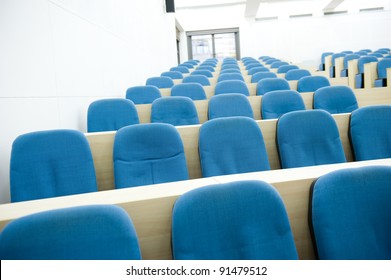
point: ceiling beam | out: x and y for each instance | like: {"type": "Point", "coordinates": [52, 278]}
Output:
{"type": "Point", "coordinates": [252, 8]}
{"type": "Point", "coordinates": [332, 5]}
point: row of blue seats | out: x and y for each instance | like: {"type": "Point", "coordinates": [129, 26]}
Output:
{"type": "Point", "coordinates": [59, 162]}
{"type": "Point", "coordinates": [112, 114]}
{"type": "Point", "coordinates": [341, 202]}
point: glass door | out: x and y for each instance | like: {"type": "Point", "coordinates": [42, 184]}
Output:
{"type": "Point", "coordinates": [202, 47]}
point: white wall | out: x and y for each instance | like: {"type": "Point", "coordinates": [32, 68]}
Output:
{"type": "Point", "coordinates": [298, 40]}
{"type": "Point", "coordinates": [56, 57]}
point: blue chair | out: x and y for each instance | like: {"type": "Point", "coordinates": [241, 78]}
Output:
{"type": "Point", "coordinates": [230, 66]}
{"type": "Point", "coordinates": [359, 81]}
{"type": "Point", "coordinates": [143, 94]}
{"type": "Point", "coordinates": [194, 62]}
{"type": "Point", "coordinates": [181, 69]}
{"type": "Point", "coordinates": [111, 114]}
{"type": "Point", "coordinates": [51, 163]}
{"type": "Point", "coordinates": [231, 145]}
{"type": "Point", "coordinates": [277, 64]}
{"type": "Point", "coordinates": [271, 84]}
{"type": "Point", "coordinates": [205, 73]}
{"type": "Point", "coordinates": [349, 214]}
{"type": "Point", "coordinates": [285, 68]}
{"type": "Point", "coordinates": [160, 82]}
{"type": "Point", "coordinates": [232, 86]}
{"type": "Point", "coordinates": [95, 232]}
{"type": "Point", "coordinates": [322, 59]}
{"type": "Point", "coordinates": [346, 59]}
{"type": "Point", "coordinates": [382, 66]}
{"type": "Point", "coordinates": [335, 99]}
{"type": "Point", "coordinates": [312, 83]}
{"type": "Point", "coordinates": [187, 65]}
{"type": "Point", "coordinates": [262, 75]}
{"type": "Point", "coordinates": [333, 58]}
{"type": "Point", "coordinates": [229, 105]}
{"type": "Point", "coordinates": [270, 61]}
{"type": "Point", "coordinates": [146, 154]}
{"type": "Point", "coordinates": [227, 71]}
{"type": "Point", "coordinates": [254, 70]}
{"type": "Point", "coordinates": [370, 132]}
{"type": "Point", "coordinates": [205, 67]}
{"type": "Point", "coordinates": [175, 75]}
{"type": "Point", "coordinates": [252, 65]}
{"type": "Point", "coordinates": [230, 77]}
{"type": "Point", "coordinates": [192, 90]}
{"type": "Point", "coordinates": [296, 74]}
{"type": "Point", "coordinates": [244, 220]}
{"type": "Point", "coordinates": [307, 138]}
{"type": "Point", "coordinates": [276, 103]}
{"type": "Point", "coordinates": [175, 110]}
{"type": "Point", "coordinates": [200, 79]}
{"type": "Point", "coordinates": [376, 54]}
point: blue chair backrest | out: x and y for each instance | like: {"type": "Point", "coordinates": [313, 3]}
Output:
{"type": "Point", "coordinates": [232, 221]}
{"type": "Point", "coordinates": [228, 105]}
{"type": "Point", "coordinates": [382, 66]}
{"type": "Point", "coordinates": [276, 103]}
{"type": "Point", "coordinates": [335, 99]}
{"type": "Point", "coordinates": [348, 58]}
{"type": "Point", "coordinates": [335, 56]}
{"type": "Point", "coordinates": [205, 73]}
{"type": "Point", "coordinates": [111, 114]}
{"type": "Point", "coordinates": [296, 74]}
{"type": "Point", "coordinates": [312, 83]}
{"type": "Point", "coordinates": [370, 132]}
{"type": "Point", "coordinates": [377, 55]}
{"type": "Point", "coordinates": [231, 86]}
{"type": "Point", "coordinates": [95, 232]}
{"type": "Point", "coordinates": [324, 55]}
{"type": "Point", "coordinates": [262, 75]}
{"type": "Point", "coordinates": [252, 65]}
{"type": "Point", "coordinates": [172, 74]}
{"type": "Point", "coordinates": [200, 79]}
{"type": "Point", "coordinates": [270, 61]}
{"type": "Point", "coordinates": [187, 65]}
{"type": "Point", "coordinates": [230, 76]}
{"type": "Point", "coordinates": [286, 68]}
{"type": "Point", "coordinates": [231, 145]}
{"type": "Point", "coordinates": [271, 84]}
{"type": "Point", "coordinates": [143, 94]}
{"type": "Point", "coordinates": [225, 71]}
{"type": "Point", "coordinates": [254, 70]}
{"type": "Point", "coordinates": [350, 214]}
{"type": "Point", "coordinates": [206, 67]}
{"type": "Point", "coordinates": [307, 138]}
{"type": "Point", "coordinates": [160, 82]}
{"type": "Point", "coordinates": [277, 64]}
{"type": "Point", "coordinates": [192, 90]}
{"type": "Point", "coordinates": [175, 110]}
{"type": "Point", "coordinates": [364, 60]}
{"type": "Point", "coordinates": [146, 154]}
{"type": "Point", "coordinates": [230, 66]}
{"type": "Point", "coordinates": [51, 163]}
{"type": "Point", "coordinates": [181, 69]}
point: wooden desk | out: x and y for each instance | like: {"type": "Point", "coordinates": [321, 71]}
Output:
{"type": "Point", "coordinates": [150, 207]}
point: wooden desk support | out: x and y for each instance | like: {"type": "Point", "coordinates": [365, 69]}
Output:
{"type": "Point", "coordinates": [338, 67]}
{"type": "Point", "coordinates": [370, 74]}
{"type": "Point", "coordinates": [150, 207]}
{"type": "Point", "coordinates": [352, 72]}
{"type": "Point", "coordinates": [328, 64]}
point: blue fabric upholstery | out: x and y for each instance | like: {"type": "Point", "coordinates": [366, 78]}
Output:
{"type": "Point", "coordinates": [382, 66]}
{"type": "Point", "coordinates": [227, 71]}
{"type": "Point", "coordinates": [192, 90]}
{"type": "Point", "coordinates": [258, 69]}
{"type": "Point", "coordinates": [175, 110]}
{"type": "Point", "coordinates": [351, 215]}
{"type": "Point", "coordinates": [172, 74]}
{"type": "Point", "coordinates": [252, 65]}
{"type": "Point", "coordinates": [276, 103]}
{"type": "Point", "coordinates": [205, 73]}
{"type": "Point", "coordinates": [111, 114]}
{"type": "Point", "coordinates": [307, 138]}
{"type": "Point", "coordinates": [229, 105]}
{"type": "Point", "coordinates": [230, 76]}
{"type": "Point", "coordinates": [323, 60]}
{"type": "Point", "coordinates": [160, 82]}
{"type": "Point", "coordinates": [370, 132]}
{"type": "Point", "coordinates": [188, 65]}
{"type": "Point", "coordinates": [51, 163]}
{"type": "Point", "coordinates": [230, 66]}
{"type": "Point", "coordinates": [286, 68]}
{"type": "Point", "coordinates": [270, 61]}
{"type": "Point", "coordinates": [262, 75]}
{"type": "Point", "coordinates": [231, 145]}
{"type": "Point", "coordinates": [96, 232]}
{"type": "Point", "coordinates": [271, 84]}
{"type": "Point", "coordinates": [206, 67]}
{"type": "Point", "coordinates": [244, 220]}
{"type": "Point", "coordinates": [335, 99]}
{"type": "Point", "coordinates": [201, 79]}
{"type": "Point", "coordinates": [146, 154]}
{"type": "Point", "coordinates": [346, 59]}
{"type": "Point", "coordinates": [142, 94]}
{"type": "Point", "coordinates": [296, 74]}
{"type": "Point", "coordinates": [333, 58]}
{"type": "Point", "coordinates": [277, 64]}
{"type": "Point", "coordinates": [312, 83]}
{"type": "Point", "coordinates": [232, 86]}
{"type": "Point", "coordinates": [181, 69]}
